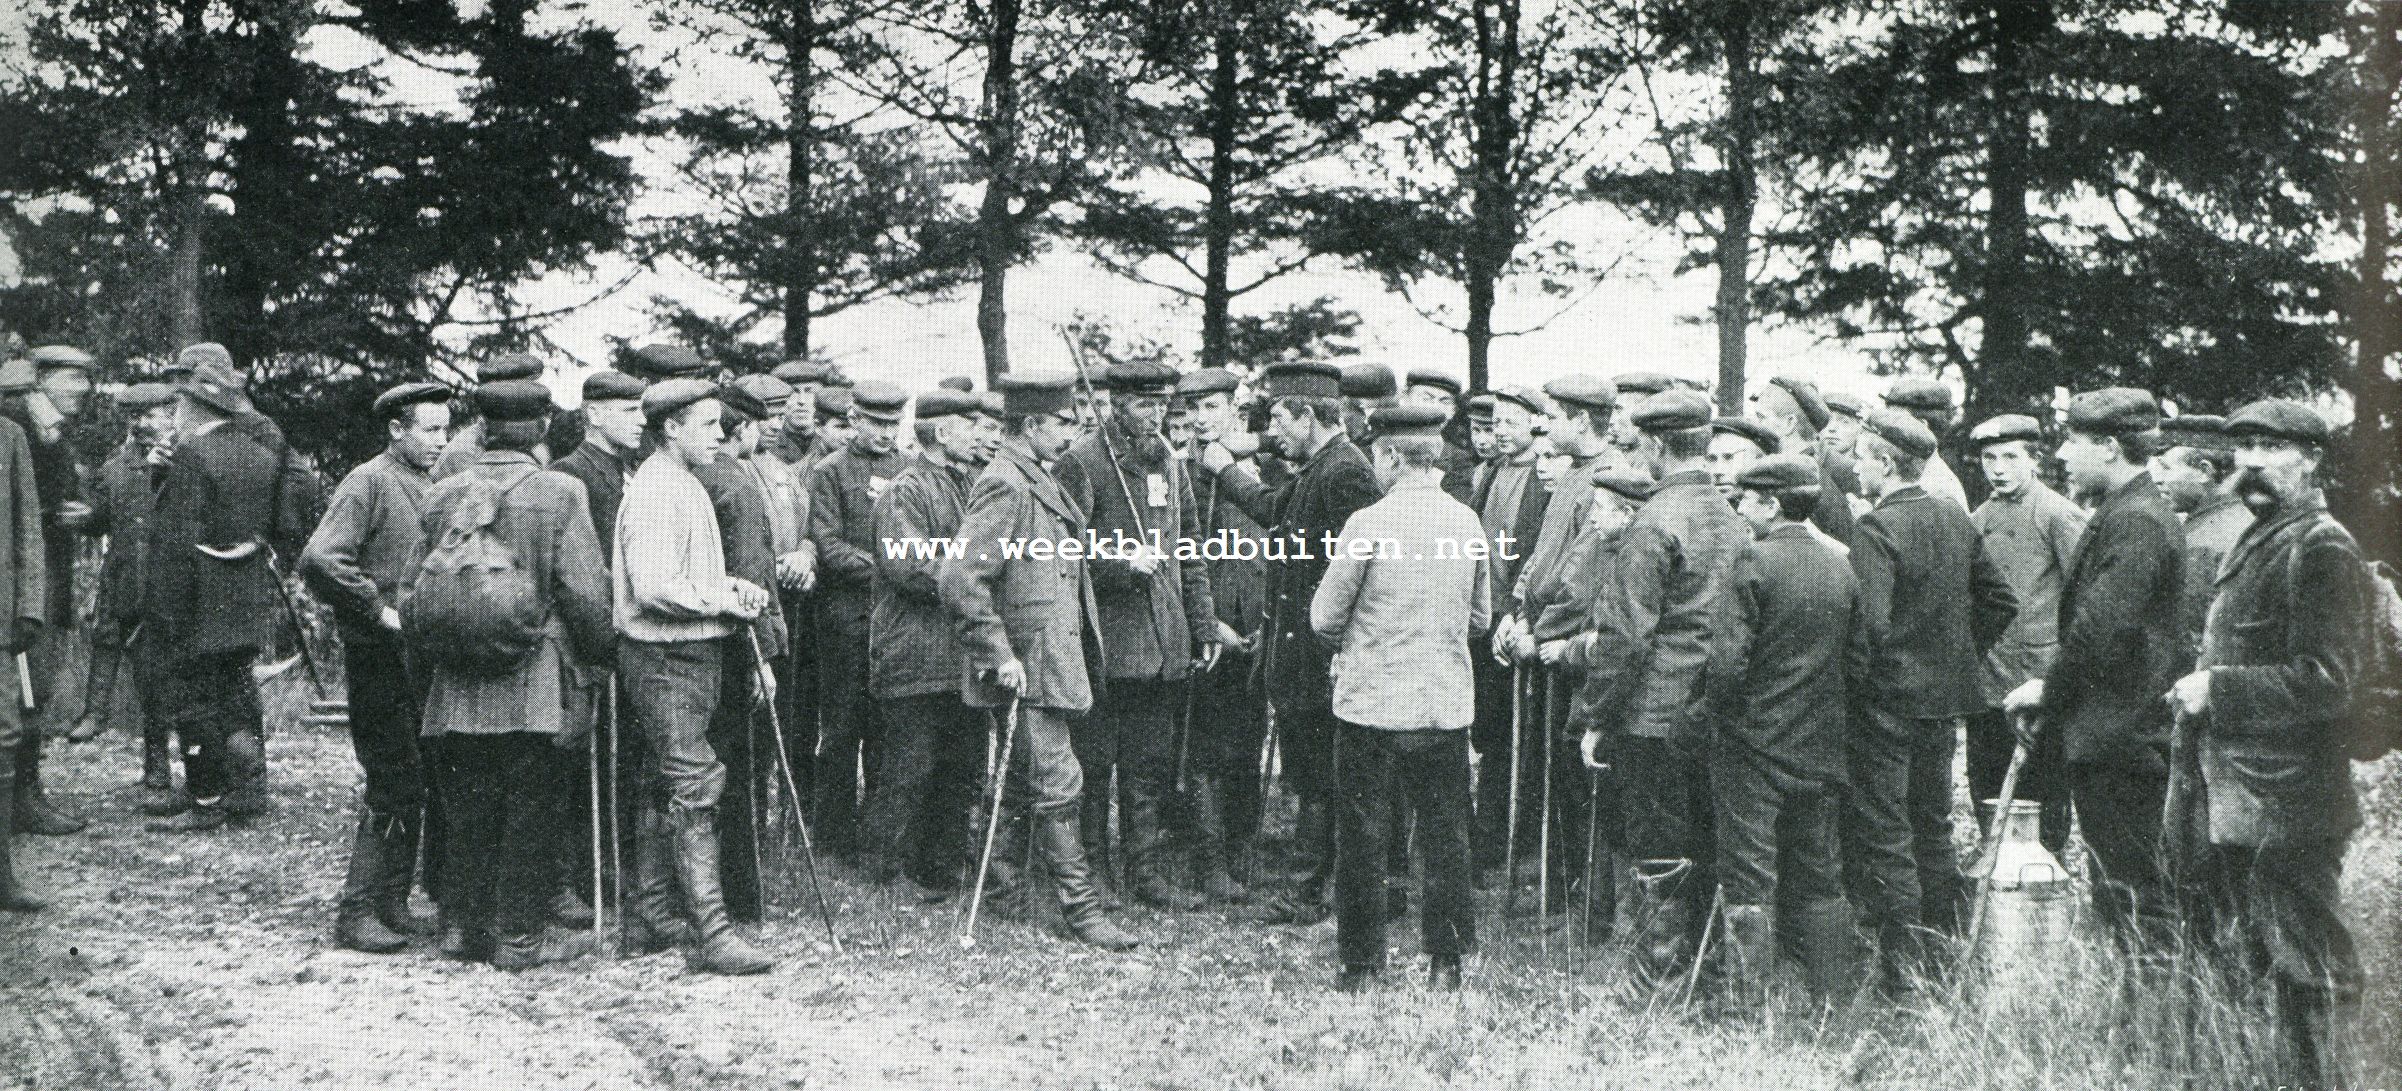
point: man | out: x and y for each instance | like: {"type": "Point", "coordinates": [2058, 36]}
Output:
{"type": "Point", "coordinates": [1933, 604]}
{"type": "Point", "coordinates": [674, 607]}
{"type": "Point", "coordinates": [1441, 390]}
{"type": "Point", "coordinates": [468, 444]}
{"type": "Point", "coordinates": [359, 562]}
{"type": "Point", "coordinates": [787, 486]}
{"type": "Point", "coordinates": [2031, 533]}
{"type": "Point", "coordinates": [1510, 505]}
{"type": "Point", "coordinates": [738, 496]}
{"type": "Point", "coordinates": [1932, 404]}
{"type": "Point", "coordinates": [210, 599]}
{"type": "Point", "coordinates": [2282, 658]}
{"type": "Point", "coordinates": [1633, 387]}
{"type": "Point", "coordinates": [1841, 433]}
{"type": "Point", "coordinates": [62, 379]}
{"type": "Point", "coordinates": [797, 443]}
{"type": "Point", "coordinates": [1662, 605]}
{"type": "Point", "coordinates": [657, 363]}
{"type": "Point", "coordinates": [22, 601]}
{"type": "Point", "coordinates": [121, 496]}
{"type": "Point", "coordinates": [801, 442]}
{"type": "Point", "coordinates": [2194, 470]}
{"type": "Point", "coordinates": [1794, 411]}
{"type": "Point", "coordinates": [1025, 623]}
{"type": "Point", "coordinates": [1398, 601]}
{"type": "Point", "coordinates": [501, 733]}
{"type": "Point", "coordinates": [1736, 443]}
{"type": "Point", "coordinates": [843, 489]}
{"type": "Point", "coordinates": [1366, 388]}
{"type": "Point", "coordinates": [1792, 658]}
{"type": "Point", "coordinates": [1157, 623]}
{"type": "Point", "coordinates": [2122, 640]}
{"type": "Point", "coordinates": [1229, 715]}
{"type": "Point", "coordinates": [1305, 424]}
{"type": "Point", "coordinates": [933, 743]}
{"type": "Point", "coordinates": [1464, 481]}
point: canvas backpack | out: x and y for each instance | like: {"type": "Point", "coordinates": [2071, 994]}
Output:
{"type": "Point", "coordinates": [475, 609]}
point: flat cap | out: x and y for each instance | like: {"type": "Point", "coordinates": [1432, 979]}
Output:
{"type": "Point", "coordinates": [1846, 403]}
{"type": "Point", "coordinates": [1590, 391]}
{"type": "Point", "coordinates": [1625, 482]}
{"type": "Point", "coordinates": [772, 392]}
{"type": "Point", "coordinates": [1405, 421]}
{"type": "Point", "coordinates": [1427, 376]}
{"type": "Point", "coordinates": [16, 375]}
{"type": "Point", "coordinates": [742, 403]}
{"type": "Point", "coordinates": [1805, 395]}
{"type": "Point", "coordinates": [1778, 472]}
{"type": "Point", "coordinates": [656, 362]}
{"type": "Point", "coordinates": [49, 356]}
{"type": "Point", "coordinates": [2004, 429]}
{"type": "Point", "coordinates": [2280, 418]}
{"type": "Point", "coordinates": [833, 402]}
{"type": "Point", "coordinates": [1139, 377]}
{"type": "Point", "coordinates": [392, 400]}
{"type": "Point", "coordinates": [945, 402]}
{"type": "Point", "coordinates": [668, 397]}
{"type": "Point", "coordinates": [1523, 396]}
{"type": "Point", "coordinates": [512, 400]}
{"type": "Point", "coordinates": [1902, 430]}
{"type": "Point", "coordinates": [1304, 379]}
{"type": "Point", "coordinates": [514, 365]}
{"type": "Point", "coordinates": [800, 372]}
{"type": "Point", "coordinates": [611, 386]}
{"type": "Point", "coordinates": [2197, 430]}
{"type": "Point", "coordinates": [1673, 410]}
{"type": "Point", "coordinates": [1644, 383]}
{"type": "Point", "coordinates": [876, 399]}
{"type": "Point", "coordinates": [1035, 395]}
{"type": "Point", "coordinates": [1749, 429]}
{"type": "Point", "coordinates": [2114, 411]}
{"type": "Point", "coordinates": [835, 376]}
{"type": "Point", "coordinates": [1480, 405]}
{"type": "Point", "coordinates": [1369, 381]}
{"type": "Point", "coordinates": [989, 403]}
{"type": "Point", "coordinates": [141, 396]}
{"type": "Point", "coordinates": [212, 381]}
{"type": "Point", "coordinates": [1208, 380]}
{"type": "Point", "coordinates": [1918, 394]}
{"type": "Point", "coordinates": [957, 382]}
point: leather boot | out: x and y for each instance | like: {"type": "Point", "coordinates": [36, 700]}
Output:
{"type": "Point", "coordinates": [1211, 852]}
{"type": "Point", "coordinates": [550, 946]}
{"type": "Point", "coordinates": [568, 909]}
{"type": "Point", "coordinates": [1750, 954]}
{"type": "Point", "coordinates": [197, 818]}
{"type": "Point", "coordinates": [1008, 890]}
{"type": "Point", "coordinates": [1148, 851]}
{"type": "Point", "coordinates": [1059, 835]}
{"type": "Point", "coordinates": [356, 925]}
{"type": "Point", "coordinates": [1093, 831]}
{"type": "Point", "coordinates": [159, 797]}
{"type": "Point", "coordinates": [718, 949]}
{"type": "Point", "coordinates": [652, 923]}
{"type": "Point", "coordinates": [13, 898]}
{"type": "Point", "coordinates": [246, 763]}
{"type": "Point", "coordinates": [35, 814]}
{"type": "Point", "coordinates": [1660, 922]}
{"type": "Point", "coordinates": [399, 837]}
{"type": "Point", "coordinates": [1830, 949]}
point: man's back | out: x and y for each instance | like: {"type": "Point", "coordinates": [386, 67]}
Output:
{"type": "Point", "coordinates": [1933, 603]}
{"type": "Point", "coordinates": [1795, 648]}
{"type": "Point", "coordinates": [1658, 614]}
{"type": "Point", "coordinates": [1402, 617]}
{"type": "Point", "coordinates": [209, 587]}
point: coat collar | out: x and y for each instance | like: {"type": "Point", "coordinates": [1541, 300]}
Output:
{"type": "Point", "coordinates": [1018, 457]}
{"type": "Point", "coordinates": [2267, 529]}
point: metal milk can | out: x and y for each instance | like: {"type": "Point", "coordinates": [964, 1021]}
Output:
{"type": "Point", "coordinates": [2029, 912]}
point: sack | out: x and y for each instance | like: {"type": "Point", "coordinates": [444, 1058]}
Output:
{"type": "Point", "coordinates": [474, 610]}
{"type": "Point", "coordinates": [2376, 715]}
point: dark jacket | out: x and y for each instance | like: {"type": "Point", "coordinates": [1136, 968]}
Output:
{"type": "Point", "coordinates": [1332, 485]}
{"type": "Point", "coordinates": [2285, 646]}
{"type": "Point", "coordinates": [1838, 482]}
{"type": "Point", "coordinates": [366, 550]}
{"type": "Point", "coordinates": [740, 499]}
{"type": "Point", "coordinates": [1238, 587]}
{"type": "Point", "coordinates": [220, 493]}
{"type": "Point", "coordinates": [1934, 602]}
{"type": "Point", "coordinates": [122, 494]}
{"type": "Point", "coordinates": [843, 488]}
{"type": "Point", "coordinates": [1150, 624]}
{"type": "Point", "coordinates": [1667, 597]}
{"type": "Point", "coordinates": [1037, 609]}
{"type": "Point", "coordinates": [56, 481]}
{"type": "Point", "coordinates": [1524, 526]}
{"type": "Point", "coordinates": [604, 477]}
{"type": "Point", "coordinates": [2121, 644]}
{"type": "Point", "coordinates": [24, 580]}
{"type": "Point", "coordinates": [913, 642]}
{"type": "Point", "coordinates": [2210, 534]}
{"type": "Point", "coordinates": [1793, 652]}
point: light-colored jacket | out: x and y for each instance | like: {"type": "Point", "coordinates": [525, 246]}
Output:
{"type": "Point", "coordinates": [1400, 618]}
{"type": "Point", "coordinates": [669, 579]}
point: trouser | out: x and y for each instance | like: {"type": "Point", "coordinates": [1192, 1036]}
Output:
{"type": "Point", "coordinates": [796, 696]}
{"type": "Point", "coordinates": [1380, 769]}
{"type": "Point", "coordinates": [1131, 732]}
{"type": "Point", "coordinates": [212, 700]}
{"type": "Point", "coordinates": [55, 693]}
{"type": "Point", "coordinates": [929, 768]}
{"type": "Point", "coordinates": [1899, 862]}
{"type": "Point", "coordinates": [1776, 832]}
{"type": "Point", "coordinates": [1569, 784]}
{"type": "Point", "coordinates": [506, 814]}
{"type": "Point", "coordinates": [2119, 811]}
{"type": "Point", "coordinates": [1305, 737]}
{"type": "Point", "coordinates": [386, 711]}
{"type": "Point", "coordinates": [1229, 725]}
{"type": "Point", "coordinates": [673, 690]}
{"type": "Point", "coordinates": [846, 732]}
{"type": "Point", "coordinates": [1492, 734]}
{"type": "Point", "coordinates": [2044, 778]}
{"type": "Point", "coordinates": [735, 738]}
{"type": "Point", "coordinates": [2277, 915]}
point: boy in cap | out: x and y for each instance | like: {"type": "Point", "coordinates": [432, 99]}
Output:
{"type": "Point", "coordinates": [843, 489]}
{"type": "Point", "coordinates": [1024, 621]}
{"type": "Point", "coordinates": [122, 492]}
{"type": "Point", "coordinates": [1934, 604]}
{"type": "Point", "coordinates": [1932, 404]}
{"type": "Point", "coordinates": [1510, 503]}
{"type": "Point", "coordinates": [1230, 715]}
{"type": "Point", "coordinates": [675, 605]}
{"type": "Point", "coordinates": [1398, 601]}
{"type": "Point", "coordinates": [365, 552]}
{"type": "Point", "coordinates": [1736, 443]}
{"type": "Point", "coordinates": [1796, 414]}
{"type": "Point", "coordinates": [2194, 469]}
{"type": "Point", "coordinates": [468, 444]}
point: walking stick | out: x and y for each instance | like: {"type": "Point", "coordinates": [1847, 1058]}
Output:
{"type": "Point", "coordinates": [775, 723]}
{"type": "Point", "coordinates": [1184, 734]}
{"type": "Point", "coordinates": [592, 760]}
{"type": "Point", "coordinates": [1993, 830]}
{"type": "Point", "coordinates": [992, 822]}
{"type": "Point", "coordinates": [1592, 850]}
{"type": "Point", "coordinates": [1509, 845]}
{"type": "Point", "coordinates": [617, 863]}
{"type": "Point", "coordinates": [1543, 839]}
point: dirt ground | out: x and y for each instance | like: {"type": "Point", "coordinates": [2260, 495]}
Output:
{"type": "Point", "coordinates": [207, 962]}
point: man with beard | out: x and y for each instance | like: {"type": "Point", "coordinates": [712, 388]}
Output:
{"type": "Point", "coordinates": [1305, 423]}
{"type": "Point", "coordinates": [2031, 533]}
{"type": "Point", "coordinates": [1510, 504]}
{"type": "Point", "coordinates": [738, 493]}
{"type": "Point", "coordinates": [1026, 624]}
{"type": "Point", "coordinates": [2282, 656]}
{"type": "Point", "coordinates": [1230, 716]}
{"type": "Point", "coordinates": [62, 380]}
{"type": "Point", "coordinates": [1794, 412]}
{"type": "Point", "coordinates": [916, 823]}
{"type": "Point", "coordinates": [1157, 623]}
{"type": "Point", "coordinates": [121, 495]}
{"type": "Point", "coordinates": [364, 554]}
{"type": "Point", "coordinates": [843, 490]}
{"type": "Point", "coordinates": [2122, 640]}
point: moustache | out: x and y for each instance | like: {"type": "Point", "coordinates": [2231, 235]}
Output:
{"type": "Point", "coordinates": [2255, 483]}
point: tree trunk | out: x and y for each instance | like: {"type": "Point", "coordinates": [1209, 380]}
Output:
{"type": "Point", "coordinates": [2376, 397]}
{"type": "Point", "coordinates": [263, 164]}
{"type": "Point", "coordinates": [2002, 382]}
{"type": "Point", "coordinates": [1493, 210]}
{"type": "Point", "coordinates": [1736, 208]}
{"type": "Point", "coordinates": [191, 214]}
{"type": "Point", "coordinates": [1218, 220]}
{"type": "Point", "coordinates": [800, 154]}
{"type": "Point", "coordinates": [996, 225]}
